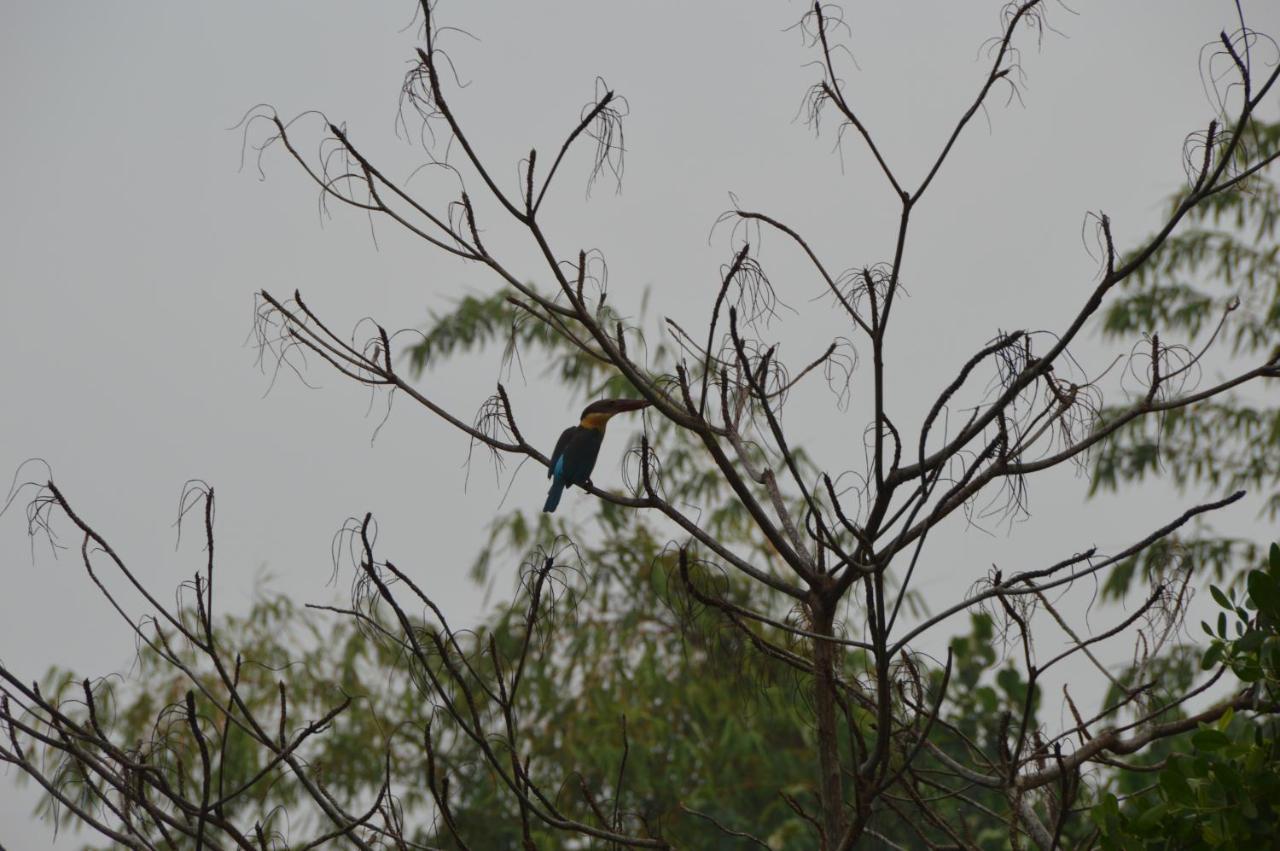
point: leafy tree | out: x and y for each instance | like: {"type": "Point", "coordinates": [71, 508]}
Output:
{"type": "Point", "coordinates": [1218, 278]}
{"type": "Point", "coordinates": [1221, 789]}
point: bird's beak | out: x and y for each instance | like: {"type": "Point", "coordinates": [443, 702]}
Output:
{"type": "Point", "coordinates": [624, 405]}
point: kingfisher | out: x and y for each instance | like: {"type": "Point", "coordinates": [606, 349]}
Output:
{"type": "Point", "coordinates": [574, 457]}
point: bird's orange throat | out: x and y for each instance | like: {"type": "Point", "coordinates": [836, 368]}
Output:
{"type": "Point", "coordinates": [595, 421]}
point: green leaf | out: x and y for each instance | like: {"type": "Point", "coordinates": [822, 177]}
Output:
{"type": "Point", "coordinates": [1220, 597]}
{"type": "Point", "coordinates": [1210, 739]}
{"type": "Point", "coordinates": [1265, 592]}
{"type": "Point", "coordinates": [1150, 820]}
{"type": "Point", "coordinates": [1176, 788]}
{"type": "Point", "coordinates": [1250, 641]}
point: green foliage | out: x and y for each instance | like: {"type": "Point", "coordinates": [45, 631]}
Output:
{"type": "Point", "coordinates": [1218, 787]}
{"type": "Point", "coordinates": [1218, 557]}
{"type": "Point", "coordinates": [700, 721]}
{"type": "Point", "coordinates": [321, 662]}
{"type": "Point", "coordinates": [985, 703]}
{"type": "Point", "coordinates": [1216, 280]}
{"type": "Point", "coordinates": [475, 323]}
{"type": "Point", "coordinates": [1246, 636]}
{"type": "Point", "coordinates": [977, 698]}
{"type": "Point", "coordinates": [1222, 267]}
{"type": "Point", "coordinates": [1225, 794]}
{"type": "Point", "coordinates": [625, 666]}
{"type": "Point", "coordinates": [638, 673]}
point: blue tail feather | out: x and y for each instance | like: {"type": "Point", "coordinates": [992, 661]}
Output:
{"type": "Point", "coordinates": [553, 495]}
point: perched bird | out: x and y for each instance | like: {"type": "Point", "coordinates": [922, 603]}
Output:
{"type": "Point", "coordinates": [574, 457]}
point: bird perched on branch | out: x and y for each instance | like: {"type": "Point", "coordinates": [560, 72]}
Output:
{"type": "Point", "coordinates": [574, 457]}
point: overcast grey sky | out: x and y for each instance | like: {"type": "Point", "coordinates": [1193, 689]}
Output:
{"type": "Point", "coordinates": [132, 245]}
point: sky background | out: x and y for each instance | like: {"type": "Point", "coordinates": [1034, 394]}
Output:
{"type": "Point", "coordinates": [132, 242]}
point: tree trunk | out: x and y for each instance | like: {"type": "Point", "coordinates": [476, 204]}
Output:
{"type": "Point", "coordinates": [830, 785]}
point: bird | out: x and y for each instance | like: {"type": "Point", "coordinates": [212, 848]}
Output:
{"type": "Point", "coordinates": [574, 457]}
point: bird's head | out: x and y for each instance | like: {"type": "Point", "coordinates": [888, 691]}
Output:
{"type": "Point", "coordinates": [597, 414]}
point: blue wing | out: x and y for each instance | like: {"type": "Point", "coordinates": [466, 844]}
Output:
{"type": "Point", "coordinates": [555, 470]}
{"type": "Point", "coordinates": [557, 454]}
